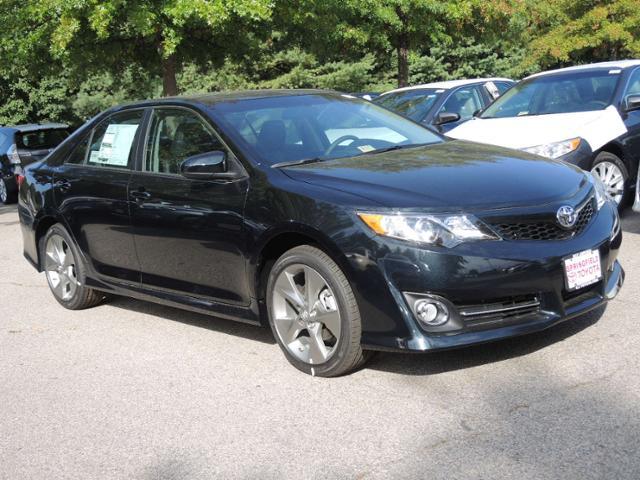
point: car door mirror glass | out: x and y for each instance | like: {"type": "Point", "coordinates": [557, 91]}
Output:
{"type": "Point", "coordinates": [205, 165]}
{"type": "Point", "coordinates": [632, 102]}
{"type": "Point", "coordinates": [446, 117]}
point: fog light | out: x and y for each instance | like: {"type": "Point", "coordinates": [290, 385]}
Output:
{"type": "Point", "coordinates": [431, 312]}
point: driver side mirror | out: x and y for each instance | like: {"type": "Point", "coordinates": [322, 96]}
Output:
{"type": "Point", "coordinates": [446, 117]}
{"type": "Point", "coordinates": [631, 102]}
{"type": "Point", "coordinates": [204, 166]}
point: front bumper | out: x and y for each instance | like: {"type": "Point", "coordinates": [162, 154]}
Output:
{"type": "Point", "coordinates": [479, 275]}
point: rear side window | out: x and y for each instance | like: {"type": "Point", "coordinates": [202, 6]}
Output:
{"type": "Point", "coordinates": [113, 140]}
{"type": "Point", "coordinates": [41, 139]}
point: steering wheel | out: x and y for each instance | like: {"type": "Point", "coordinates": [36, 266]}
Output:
{"type": "Point", "coordinates": [337, 142]}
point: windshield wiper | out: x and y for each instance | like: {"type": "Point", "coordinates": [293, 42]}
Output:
{"type": "Point", "coordinates": [293, 163]}
{"type": "Point", "coordinates": [394, 147]}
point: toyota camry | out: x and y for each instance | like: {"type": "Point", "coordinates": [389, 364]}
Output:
{"type": "Point", "coordinates": [343, 226]}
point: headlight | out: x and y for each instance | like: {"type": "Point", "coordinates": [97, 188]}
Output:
{"type": "Point", "coordinates": [556, 149]}
{"type": "Point", "coordinates": [601, 191]}
{"type": "Point", "coordinates": [442, 230]}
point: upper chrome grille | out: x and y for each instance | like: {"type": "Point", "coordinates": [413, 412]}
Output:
{"type": "Point", "coordinates": [545, 230]}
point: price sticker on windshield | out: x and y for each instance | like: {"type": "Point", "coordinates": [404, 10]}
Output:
{"type": "Point", "coordinates": [582, 269]}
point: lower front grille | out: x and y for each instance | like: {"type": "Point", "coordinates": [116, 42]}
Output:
{"type": "Point", "coordinates": [500, 311]}
{"type": "Point", "coordinates": [545, 230]}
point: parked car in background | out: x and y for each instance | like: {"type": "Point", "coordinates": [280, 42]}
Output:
{"type": "Point", "coordinates": [444, 105]}
{"type": "Point", "coordinates": [240, 205]}
{"type": "Point", "coordinates": [21, 145]}
{"type": "Point", "coordinates": [587, 115]}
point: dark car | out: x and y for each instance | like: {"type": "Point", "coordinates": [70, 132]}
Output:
{"type": "Point", "coordinates": [588, 115]}
{"type": "Point", "coordinates": [346, 227]}
{"type": "Point", "coordinates": [21, 145]}
{"type": "Point", "coordinates": [443, 106]}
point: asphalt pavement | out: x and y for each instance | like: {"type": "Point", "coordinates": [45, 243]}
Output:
{"type": "Point", "coordinates": [134, 390]}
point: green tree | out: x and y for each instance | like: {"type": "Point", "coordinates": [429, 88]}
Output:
{"type": "Point", "coordinates": [581, 31]}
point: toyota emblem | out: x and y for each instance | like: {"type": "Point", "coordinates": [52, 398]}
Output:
{"type": "Point", "coordinates": [567, 216]}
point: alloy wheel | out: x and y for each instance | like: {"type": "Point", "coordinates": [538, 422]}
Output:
{"type": "Point", "coordinates": [306, 314]}
{"type": "Point", "coordinates": [612, 178]}
{"type": "Point", "coordinates": [60, 267]}
{"type": "Point", "coordinates": [3, 191]}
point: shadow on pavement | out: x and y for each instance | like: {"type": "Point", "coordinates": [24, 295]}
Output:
{"type": "Point", "coordinates": [216, 324]}
{"type": "Point", "coordinates": [630, 221]}
{"type": "Point", "coordinates": [466, 357]}
{"type": "Point", "coordinates": [8, 208]}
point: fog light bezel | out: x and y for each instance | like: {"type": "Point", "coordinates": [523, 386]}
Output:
{"type": "Point", "coordinates": [453, 321]}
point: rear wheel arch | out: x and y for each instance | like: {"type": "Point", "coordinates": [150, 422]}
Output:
{"type": "Point", "coordinates": [44, 224]}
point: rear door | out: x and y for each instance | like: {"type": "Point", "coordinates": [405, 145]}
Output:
{"type": "Point", "coordinates": [188, 233]}
{"type": "Point", "coordinates": [632, 119]}
{"type": "Point", "coordinates": [90, 188]}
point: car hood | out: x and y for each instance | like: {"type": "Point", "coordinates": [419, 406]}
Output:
{"type": "Point", "coordinates": [596, 127]}
{"type": "Point", "coordinates": [453, 175]}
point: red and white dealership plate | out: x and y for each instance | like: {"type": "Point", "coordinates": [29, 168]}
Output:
{"type": "Point", "coordinates": [582, 269]}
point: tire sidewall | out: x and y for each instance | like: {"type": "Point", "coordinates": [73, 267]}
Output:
{"type": "Point", "coordinates": [80, 293]}
{"type": "Point", "coordinates": [346, 313]}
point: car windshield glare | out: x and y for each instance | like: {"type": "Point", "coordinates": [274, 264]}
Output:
{"type": "Point", "coordinates": [414, 103]}
{"type": "Point", "coordinates": [578, 91]}
{"type": "Point", "coordinates": [316, 126]}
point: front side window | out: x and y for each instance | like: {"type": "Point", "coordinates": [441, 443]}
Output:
{"type": "Point", "coordinates": [323, 126]}
{"type": "Point", "coordinates": [414, 103]}
{"type": "Point", "coordinates": [577, 91]}
{"type": "Point", "coordinates": [113, 140]}
{"type": "Point", "coordinates": [634, 83]}
{"type": "Point", "coordinates": [464, 101]}
{"type": "Point", "coordinates": [174, 136]}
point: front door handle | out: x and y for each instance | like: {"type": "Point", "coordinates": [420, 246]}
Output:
{"type": "Point", "coordinates": [140, 195]}
{"type": "Point", "coordinates": [62, 184]}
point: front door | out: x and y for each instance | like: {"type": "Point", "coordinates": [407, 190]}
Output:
{"type": "Point", "coordinates": [464, 101]}
{"type": "Point", "coordinates": [188, 233]}
{"type": "Point", "coordinates": [90, 189]}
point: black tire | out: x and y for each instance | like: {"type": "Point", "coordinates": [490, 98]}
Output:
{"type": "Point", "coordinates": [9, 196]}
{"type": "Point", "coordinates": [348, 355]}
{"type": "Point", "coordinates": [603, 157]}
{"type": "Point", "coordinates": [83, 297]}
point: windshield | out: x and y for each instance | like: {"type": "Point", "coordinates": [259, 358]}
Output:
{"type": "Point", "coordinates": [40, 139]}
{"type": "Point", "coordinates": [414, 104]}
{"type": "Point", "coordinates": [557, 93]}
{"type": "Point", "coordinates": [293, 128]}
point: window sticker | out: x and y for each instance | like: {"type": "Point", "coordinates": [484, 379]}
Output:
{"type": "Point", "coordinates": [116, 145]}
{"type": "Point", "coordinates": [365, 148]}
{"type": "Point", "coordinates": [615, 71]}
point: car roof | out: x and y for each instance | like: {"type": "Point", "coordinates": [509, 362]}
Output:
{"type": "Point", "coordinates": [211, 99]}
{"type": "Point", "coordinates": [616, 64]}
{"type": "Point", "coordinates": [35, 127]}
{"type": "Point", "coordinates": [449, 84]}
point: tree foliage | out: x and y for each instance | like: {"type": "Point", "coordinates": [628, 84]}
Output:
{"type": "Point", "coordinates": [65, 60]}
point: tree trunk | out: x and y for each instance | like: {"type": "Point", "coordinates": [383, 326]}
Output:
{"type": "Point", "coordinates": [402, 48]}
{"type": "Point", "coordinates": [169, 82]}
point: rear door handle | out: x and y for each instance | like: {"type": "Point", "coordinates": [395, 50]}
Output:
{"type": "Point", "coordinates": [140, 195]}
{"type": "Point", "coordinates": [62, 184]}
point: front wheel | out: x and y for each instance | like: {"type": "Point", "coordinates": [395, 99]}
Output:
{"type": "Point", "coordinates": [64, 270]}
{"type": "Point", "coordinates": [313, 313]}
{"type": "Point", "coordinates": [614, 174]}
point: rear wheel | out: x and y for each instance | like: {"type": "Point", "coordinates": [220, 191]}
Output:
{"type": "Point", "coordinates": [313, 313]}
{"type": "Point", "coordinates": [614, 174]}
{"type": "Point", "coordinates": [65, 272]}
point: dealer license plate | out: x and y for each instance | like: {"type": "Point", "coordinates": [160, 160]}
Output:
{"type": "Point", "coordinates": [582, 269]}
